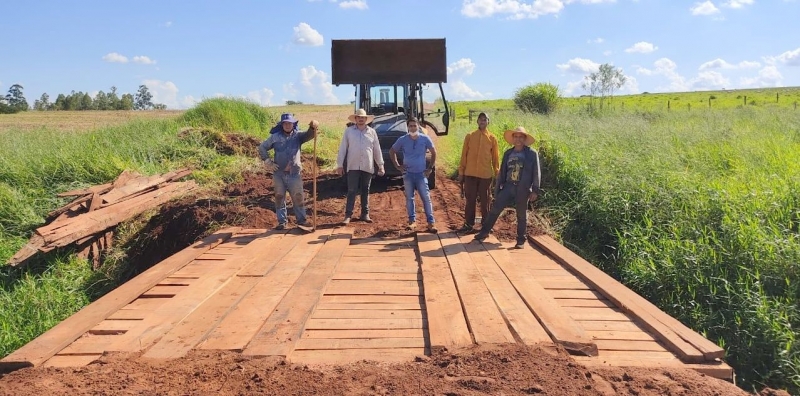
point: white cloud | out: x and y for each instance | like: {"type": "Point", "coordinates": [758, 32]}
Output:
{"type": "Point", "coordinates": [579, 66]}
{"type": "Point", "coordinates": [518, 9]}
{"type": "Point", "coordinates": [114, 57]}
{"type": "Point", "coordinates": [304, 34]}
{"type": "Point", "coordinates": [790, 58]}
{"type": "Point", "coordinates": [707, 80]}
{"type": "Point", "coordinates": [165, 92]}
{"type": "Point", "coordinates": [456, 87]}
{"type": "Point", "coordinates": [167, 24]}
{"type": "Point", "coordinates": [598, 40]}
{"type": "Point", "coordinates": [607, 53]}
{"type": "Point", "coordinates": [769, 76]}
{"type": "Point", "coordinates": [722, 64]}
{"type": "Point", "coordinates": [314, 86]}
{"type": "Point", "coordinates": [263, 96]}
{"type": "Point", "coordinates": [572, 86]}
{"type": "Point", "coordinates": [189, 101]}
{"type": "Point", "coordinates": [354, 4]}
{"type": "Point", "coordinates": [144, 60]}
{"type": "Point", "coordinates": [737, 3]}
{"type": "Point", "coordinates": [704, 8]}
{"type": "Point", "coordinates": [667, 68]}
{"type": "Point", "coordinates": [642, 47]}
{"type": "Point", "coordinates": [631, 85]}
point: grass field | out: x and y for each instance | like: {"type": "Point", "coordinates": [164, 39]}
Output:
{"type": "Point", "coordinates": [695, 209]}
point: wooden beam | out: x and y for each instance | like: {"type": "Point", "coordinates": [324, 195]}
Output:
{"type": "Point", "coordinates": [57, 338]}
{"type": "Point", "coordinates": [683, 341]}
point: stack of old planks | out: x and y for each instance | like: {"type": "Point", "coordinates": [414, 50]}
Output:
{"type": "Point", "coordinates": [87, 222]}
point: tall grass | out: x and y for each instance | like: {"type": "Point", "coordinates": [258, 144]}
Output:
{"type": "Point", "coordinates": [35, 165]}
{"type": "Point", "coordinates": [698, 212]}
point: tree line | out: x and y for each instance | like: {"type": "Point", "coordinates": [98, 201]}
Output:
{"type": "Point", "coordinates": [15, 101]}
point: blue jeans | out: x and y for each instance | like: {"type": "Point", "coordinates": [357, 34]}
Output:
{"type": "Point", "coordinates": [417, 182]}
{"type": "Point", "coordinates": [284, 181]}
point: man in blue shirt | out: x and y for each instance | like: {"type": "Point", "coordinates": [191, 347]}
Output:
{"type": "Point", "coordinates": [414, 146]}
{"type": "Point", "coordinates": [286, 168]}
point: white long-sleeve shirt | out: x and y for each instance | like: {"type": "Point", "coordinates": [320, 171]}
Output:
{"type": "Point", "coordinates": [361, 149]}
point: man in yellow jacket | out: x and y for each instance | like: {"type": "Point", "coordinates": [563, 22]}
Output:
{"type": "Point", "coordinates": [480, 162]}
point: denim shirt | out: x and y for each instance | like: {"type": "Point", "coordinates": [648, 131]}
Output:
{"type": "Point", "coordinates": [287, 149]}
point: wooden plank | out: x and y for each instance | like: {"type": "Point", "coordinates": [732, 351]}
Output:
{"type": "Point", "coordinates": [146, 303]}
{"type": "Point", "coordinates": [88, 345]}
{"type": "Point", "coordinates": [376, 275]}
{"type": "Point", "coordinates": [514, 310]}
{"type": "Point", "coordinates": [354, 306]}
{"type": "Point", "coordinates": [71, 360]}
{"type": "Point", "coordinates": [604, 325]}
{"type": "Point", "coordinates": [605, 314]}
{"type": "Point", "coordinates": [485, 321]}
{"type": "Point", "coordinates": [110, 326]}
{"type": "Point", "coordinates": [284, 326]}
{"type": "Point", "coordinates": [629, 345]}
{"type": "Point", "coordinates": [51, 342]}
{"type": "Point", "coordinates": [393, 333]}
{"type": "Point", "coordinates": [374, 290]}
{"type": "Point", "coordinates": [563, 329]}
{"type": "Point", "coordinates": [571, 302]}
{"type": "Point", "coordinates": [633, 358]}
{"type": "Point", "coordinates": [686, 343]}
{"type": "Point", "coordinates": [129, 314]}
{"type": "Point", "coordinates": [446, 322]}
{"type": "Point", "coordinates": [712, 369]}
{"type": "Point", "coordinates": [365, 324]}
{"type": "Point", "coordinates": [382, 261]}
{"type": "Point", "coordinates": [389, 268]}
{"type": "Point", "coordinates": [367, 299]}
{"type": "Point", "coordinates": [359, 254]}
{"type": "Point", "coordinates": [244, 321]}
{"type": "Point", "coordinates": [620, 335]}
{"type": "Point", "coordinates": [575, 294]}
{"type": "Point", "coordinates": [562, 285]}
{"type": "Point", "coordinates": [180, 309]}
{"type": "Point", "coordinates": [102, 188]}
{"type": "Point", "coordinates": [343, 356]}
{"type": "Point", "coordinates": [195, 327]}
{"type": "Point", "coordinates": [388, 284]}
{"type": "Point", "coordinates": [359, 343]}
{"type": "Point", "coordinates": [163, 291]}
{"type": "Point", "coordinates": [383, 242]}
{"type": "Point", "coordinates": [367, 314]}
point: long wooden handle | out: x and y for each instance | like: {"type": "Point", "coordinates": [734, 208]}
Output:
{"type": "Point", "coordinates": [314, 183]}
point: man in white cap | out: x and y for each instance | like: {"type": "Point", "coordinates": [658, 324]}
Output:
{"type": "Point", "coordinates": [517, 183]}
{"type": "Point", "coordinates": [286, 168]}
{"type": "Point", "coordinates": [362, 151]}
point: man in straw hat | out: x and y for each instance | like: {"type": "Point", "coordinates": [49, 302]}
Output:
{"type": "Point", "coordinates": [517, 183]}
{"type": "Point", "coordinates": [286, 168]}
{"type": "Point", "coordinates": [362, 151]}
{"type": "Point", "coordinates": [480, 161]}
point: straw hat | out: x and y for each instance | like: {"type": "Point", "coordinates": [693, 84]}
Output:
{"type": "Point", "coordinates": [361, 113]}
{"type": "Point", "coordinates": [509, 136]}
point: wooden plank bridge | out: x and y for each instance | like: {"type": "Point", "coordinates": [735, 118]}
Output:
{"type": "Point", "coordinates": [327, 298]}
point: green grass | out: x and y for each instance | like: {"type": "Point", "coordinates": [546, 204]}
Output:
{"type": "Point", "coordinates": [35, 165]}
{"type": "Point", "coordinates": [697, 211]}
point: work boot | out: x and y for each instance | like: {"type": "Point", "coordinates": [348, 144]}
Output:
{"type": "Point", "coordinates": [281, 226]}
{"type": "Point", "coordinates": [365, 218]}
{"type": "Point", "coordinates": [480, 237]}
{"type": "Point", "coordinates": [465, 229]}
{"type": "Point", "coordinates": [411, 225]}
{"type": "Point", "coordinates": [432, 229]}
{"type": "Point", "coordinates": [346, 221]}
{"type": "Point", "coordinates": [519, 245]}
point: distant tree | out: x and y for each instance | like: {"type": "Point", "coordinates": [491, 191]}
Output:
{"type": "Point", "coordinates": [293, 102]}
{"type": "Point", "coordinates": [86, 102]}
{"type": "Point", "coordinates": [113, 99]}
{"type": "Point", "coordinates": [603, 83]}
{"type": "Point", "coordinates": [159, 106]}
{"type": "Point", "coordinates": [143, 99]}
{"type": "Point", "coordinates": [541, 98]}
{"type": "Point", "coordinates": [4, 107]}
{"type": "Point", "coordinates": [44, 102]}
{"type": "Point", "coordinates": [16, 99]}
{"type": "Point", "coordinates": [61, 102]}
{"type": "Point", "coordinates": [101, 101]}
{"type": "Point", "coordinates": [126, 102]}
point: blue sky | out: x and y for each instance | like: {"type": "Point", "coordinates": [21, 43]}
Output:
{"type": "Point", "coordinates": [273, 51]}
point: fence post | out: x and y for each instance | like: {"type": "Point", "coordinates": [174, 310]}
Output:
{"type": "Point", "coordinates": [795, 105]}
{"type": "Point", "coordinates": [709, 103]}
{"type": "Point", "coordinates": [470, 116]}
{"type": "Point", "coordinates": [745, 100]}
{"type": "Point", "coordinates": [668, 105]}
{"type": "Point", "coordinates": [689, 106]}
{"type": "Point", "coordinates": [776, 97]}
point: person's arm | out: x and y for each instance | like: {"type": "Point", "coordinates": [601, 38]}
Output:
{"type": "Point", "coordinates": [311, 133]}
{"type": "Point", "coordinates": [462, 166]}
{"type": "Point", "coordinates": [495, 155]}
{"type": "Point", "coordinates": [535, 188]}
{"type": "Point", "coordinates": [501, 176]}
{"type": "Point", "coordinates": [342, 153]}
{"type": "Point", "coordinates": [377, 155]}
{"type": "Point", "coordinates": [393, 153]}
{"type": "Point", "coordinates": [432, 149]}
{"type": "Point", "coordinates": [264, 147]}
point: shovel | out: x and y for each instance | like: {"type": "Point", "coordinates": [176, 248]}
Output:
{"type": "Point", "coordinates": [313, 191]}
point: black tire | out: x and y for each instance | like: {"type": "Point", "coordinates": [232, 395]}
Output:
{"type": "Point", "coordinates": [432, 180]}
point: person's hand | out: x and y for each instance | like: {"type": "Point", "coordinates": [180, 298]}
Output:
{"type": "Point", "coordinates": [314, 124]}
{"type": "Point", "coordinates": [532, 196]}
{"type": "Point", "coordinates": [381, 171]}
{"type": "Point", "coordinates": [460, 178]}
{"type": "Point", "coordinates": [340, 171]}
{"type": "Point", "coordinates": [400, 167]}
{"type": "Point", "coordinates": [270, 165]}
{"type": "Point", "coordinates": [427, 172]}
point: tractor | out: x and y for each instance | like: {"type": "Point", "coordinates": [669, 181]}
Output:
{"type": "Point", "coordinates": [390, 77]}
